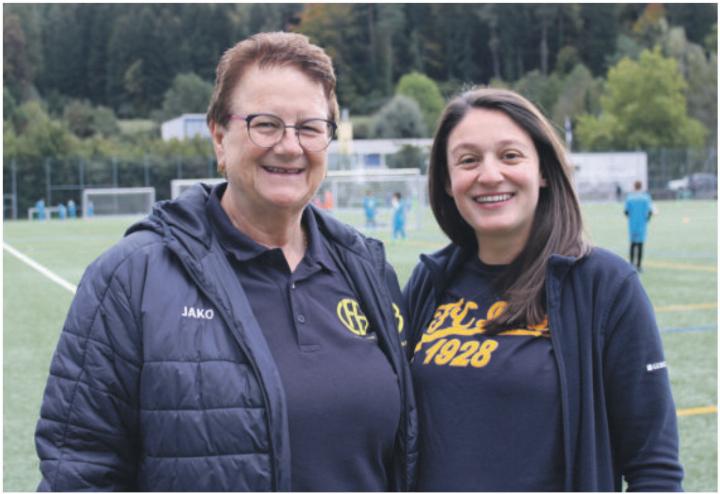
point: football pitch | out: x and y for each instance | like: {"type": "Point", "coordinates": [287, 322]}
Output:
{"type": "Point", "coordinates": [680, 276]}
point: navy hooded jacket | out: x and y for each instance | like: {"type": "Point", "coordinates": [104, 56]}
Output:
{"type": "Point", "coordinates": [618, 414]}
{"type": "Point", "coordinates": [142, 399]}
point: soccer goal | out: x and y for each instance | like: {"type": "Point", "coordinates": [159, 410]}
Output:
{"type": "Point", "coordinates": [348, 189]}
{"type": "Point", "coordinates": [117, 201]}
{"type": "Point", "coordinates": [178, 185]}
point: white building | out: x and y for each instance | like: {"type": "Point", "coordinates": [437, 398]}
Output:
{"type": "Point", "coordinates": [186, 126]}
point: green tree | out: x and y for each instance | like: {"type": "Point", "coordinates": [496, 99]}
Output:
{"type": "Point", "coordinates": [9, 103]}
{"type": "Point", "coordinates": [16, 66]}
{"type": "Point", "coordinates": [400, 117]}
{"type": "Point", "coordinates": [579, 94]}
{"type": "Point", "coordinates": [409, 157]}
{"type": "Point", "coordinates": [426, 93]}
{"type": "Point", "coordinates": [84, 120]}
{"type": "Point", "coordinates": [700, 71]}
{"type": "Point", "coordinates": [541, 90]}
{"type": "Point", "coordinates": [188, 94]}
{"type": "Point", "coordinates": [643, 107]}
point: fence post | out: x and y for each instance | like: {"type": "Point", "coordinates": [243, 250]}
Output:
{"type": "Point", "coordinates": [48, 183]}
{"type": "Point", "coordinates": [13, 169]}
{"type": "Point", "coordinates": [114, 171]}
{"type": "Point", "coordinates": [146, 170]}
{"type": "Point", "coordinates": [81, 174]}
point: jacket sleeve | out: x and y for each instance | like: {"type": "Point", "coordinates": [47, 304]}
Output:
{"type": "Point", "coordinates": [641, 411]}
{"type": "Point", "coordinates": [86, 437]}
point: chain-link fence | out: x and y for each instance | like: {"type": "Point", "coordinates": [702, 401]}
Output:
{"type": "Point", "coordinates": [672, 173]}
{"type": "Point", "coordinates": [57, 181]}
{"type": "Point", "coordinates": [682, 173]}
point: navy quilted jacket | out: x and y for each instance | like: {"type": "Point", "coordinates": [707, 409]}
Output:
{"type": "Point", "coordinates": [619, 418]}
{"type": "Point", "coordinates": [140, 398]}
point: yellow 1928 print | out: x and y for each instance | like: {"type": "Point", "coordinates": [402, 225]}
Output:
{"type": "Point", "coordinates": [454, 322]}
{"type": "Point", "coordinates": [456, 353]}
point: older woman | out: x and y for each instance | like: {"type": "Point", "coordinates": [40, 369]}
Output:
{"type": "Point", "coordinates": [238, 339]}
{"type": "Point", "coordinates": [537, 361]}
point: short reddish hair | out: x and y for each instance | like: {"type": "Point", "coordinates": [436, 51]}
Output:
{"type": "Point", "coordinates": [268, 50]}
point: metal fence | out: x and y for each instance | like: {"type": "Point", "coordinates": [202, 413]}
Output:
{"type": "Point", "coordinates": [59, 180]}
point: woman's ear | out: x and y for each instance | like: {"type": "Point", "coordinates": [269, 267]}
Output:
{"type": "Point", "coordinates": [448, 187]}
{"type": "Point", "coordinates": [217, 133]}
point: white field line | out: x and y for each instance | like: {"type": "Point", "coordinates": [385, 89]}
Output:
{"type": "Point", "coordinates": [41, 269]}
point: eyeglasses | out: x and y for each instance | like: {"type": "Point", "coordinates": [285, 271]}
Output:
{"type": "Point", "coordinates": [265, 130]}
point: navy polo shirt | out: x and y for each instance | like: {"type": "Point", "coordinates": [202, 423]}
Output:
{"type": "Point", "coordinates": [489, 406]}
{"type": "Point", "coordinates": [342, 395]}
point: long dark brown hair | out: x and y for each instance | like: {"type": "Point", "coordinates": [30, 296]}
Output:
{"type": "Point", "coordinates": [557, 226]}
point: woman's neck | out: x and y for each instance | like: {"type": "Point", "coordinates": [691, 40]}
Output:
{"type": "Point", "coordinates": [499, 250]}
{"type": "Point", "coordinates": [271, 229]}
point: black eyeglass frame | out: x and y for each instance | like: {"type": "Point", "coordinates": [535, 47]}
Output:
{"type": "Point", "coordinates": [248, 118]}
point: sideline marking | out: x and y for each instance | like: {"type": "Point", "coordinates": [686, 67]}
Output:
{"type": "Point", "coordinates": [690, 329]}
{"type": "Point", "coordinates": [685, 412]}
{"type": "Point", "coordinates": [681, 266]}
{"type": "Point", "coordinates": [677, 308]}
{"type": "Point", "coordinates": [41, 269]}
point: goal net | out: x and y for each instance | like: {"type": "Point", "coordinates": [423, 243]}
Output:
{"type": "Point", "coordinates": [117, 201]}
{"type": "Point", "coordinates": [349, 188]}
{"type": "Point", "coordinates": [178, 185]}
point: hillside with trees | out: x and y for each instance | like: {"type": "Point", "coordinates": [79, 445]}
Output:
{"type": "Point", "coordinates": [93, 81]}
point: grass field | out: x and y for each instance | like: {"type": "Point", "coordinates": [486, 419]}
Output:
{"type": "Point", "coordinates": [680, 276]}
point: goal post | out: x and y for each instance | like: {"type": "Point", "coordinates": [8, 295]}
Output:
{"type": "Point", "coordinates": [117, 201]}
{"type": "Point", "coordinates": [179, 185]}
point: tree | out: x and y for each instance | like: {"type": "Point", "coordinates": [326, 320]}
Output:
{"type": "Point", "coordinates": [41, 135]}
{"type": "Point", "coordinates": [643, 107]}
{"type": "Point", "coordinates": [541, 90]}
{"type": "Point", "coordinates": [579, 94]}
{"type": "Point", "coordinates": [400, 117]}
{"type": "Point", "coordinates": [188, 94]}
{"type": "Point", "coordinates": [700, 72]}
{"type": "Point", "coordinates": [426, 93]}
{"type": "Point", "coordinates": [84, 120]}
{"type": "Point", "coordinates": [16, 67]}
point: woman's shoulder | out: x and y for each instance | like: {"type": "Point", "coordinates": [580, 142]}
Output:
{"type": "Point", "coordinates": [142, 246]}
{"type": "Point", "coordinates": [599, 259]}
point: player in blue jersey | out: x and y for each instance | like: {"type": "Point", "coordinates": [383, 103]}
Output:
{"type": "Point", "coordinates": [72, 209]}
{"type": "Point", "coordinates": [40, 209]}
{"type": "Point", "coordinates": [370, 208]}
{"type": "Point", "coordinates": [536, 358]}
{"type": "Point", "coordinates": [638, 209]}
{"type": "Point", "coordinates": [398, 216]}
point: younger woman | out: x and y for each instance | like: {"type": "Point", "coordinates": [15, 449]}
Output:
{"type": "Point", "coordinates": [537, 361]}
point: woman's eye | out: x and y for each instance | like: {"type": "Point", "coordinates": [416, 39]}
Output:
{"type": "Point", "coordinates": [467, 160]}
{"type": "Point", "coordinates": [511, 155]}
{"type": "Point", "coordinates": [311, 129]}
{"type": "Point", "coordinates": [266, 125]}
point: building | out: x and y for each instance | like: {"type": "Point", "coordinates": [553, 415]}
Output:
{"type": "Point", "coordinates": [186, 126]}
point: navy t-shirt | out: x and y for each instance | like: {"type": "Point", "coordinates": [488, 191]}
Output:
{"type": "Point", "coordinates": [489, 406]}
{"type": "Point", "coordinates": [342, 394]}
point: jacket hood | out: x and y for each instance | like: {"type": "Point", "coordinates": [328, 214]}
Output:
{"type": "Point", "coordinates": [443, 264]}
{"type": "Point", "coordinates": [185, 220]}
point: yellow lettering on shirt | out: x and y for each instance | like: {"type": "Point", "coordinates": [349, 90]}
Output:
{"type": "Point", "coordinates": [454, 319]}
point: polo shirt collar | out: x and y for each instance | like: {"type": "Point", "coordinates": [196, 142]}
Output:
{"type": "Point", "coordinates": [245, 248]}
